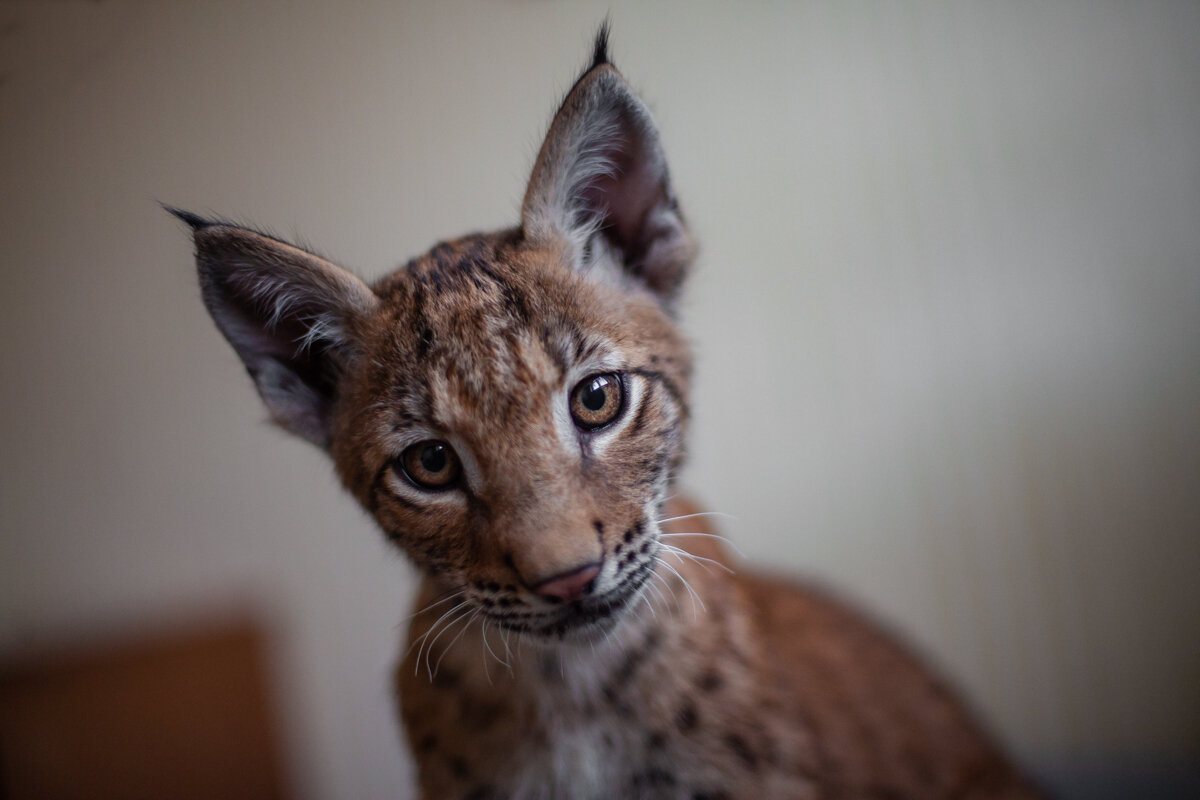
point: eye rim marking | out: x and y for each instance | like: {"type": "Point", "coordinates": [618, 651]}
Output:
{"type": "Point", "coordinates": [410, 463]}
{"type": "Point", "coordinates": [589, 420]}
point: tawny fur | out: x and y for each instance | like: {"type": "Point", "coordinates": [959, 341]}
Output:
{"type": "Point", "coordinates": [579, 632]}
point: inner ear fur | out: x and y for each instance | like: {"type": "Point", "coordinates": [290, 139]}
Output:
{"type": "Point", "coordinates": [601, 171]}
{"type": "Point", "coordinates": [290, 316]}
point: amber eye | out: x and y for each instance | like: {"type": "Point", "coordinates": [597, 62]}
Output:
{"type": "Point", "coordinates": [430, 465]}
{"type": "Point", "coordinates": [597, 400]}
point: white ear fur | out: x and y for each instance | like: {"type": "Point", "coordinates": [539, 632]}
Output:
{"type": "Point", "coordinates": [601, 172]}
{"type": "Point", "coordinates": [289, 315]}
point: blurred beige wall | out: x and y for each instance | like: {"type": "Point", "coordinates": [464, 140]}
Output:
{"type": "Point", "coordinates": [947, 318]}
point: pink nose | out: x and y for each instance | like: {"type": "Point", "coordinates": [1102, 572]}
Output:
{"type": "Point", "coordinates": [568, 586]}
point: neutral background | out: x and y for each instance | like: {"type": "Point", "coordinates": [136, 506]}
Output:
{"type": "Point", "coordinates": [947, 318]}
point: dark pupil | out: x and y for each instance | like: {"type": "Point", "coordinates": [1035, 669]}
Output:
{"type": "Point", "coordinates": [594, 397]}
{"type": "Point", "coordinates": [433, 458]}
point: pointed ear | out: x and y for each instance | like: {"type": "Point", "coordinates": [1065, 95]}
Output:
{"type": "Point", "coordinates": [601, 178]}
{"type": "Point", "coordinates": [289, 315]}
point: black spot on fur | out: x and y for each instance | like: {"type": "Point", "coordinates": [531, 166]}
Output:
{"type": "Point", "coordinates": [614, 699]}
{"type": "Point", "coordinates": [446, 678]}
{"type": "Point", "coordinates": [657, 740]}
{"type": "Point", "coordinates": [710, 681]}
{"type": "Point", "coordinates": [517, 304]}
{"type": "Point", "coordinates": [685, 718]}
{"type": "Point", "coordinates": [741, 749]}
{"type": "Point", "coordinates": [772, 755]}
{"type": "Point", "coordinates": [653, 777]}
{"type": "Point", "coordinates": [480, 715]}
{"type": "Point", "coordinates": [425, 343]}
{"type": "Point", "coordinates": [634, 660]}
{"type": "Point", "coordinates": [427, 743]}
{"type": "Point", "coordinates": [459, 768]}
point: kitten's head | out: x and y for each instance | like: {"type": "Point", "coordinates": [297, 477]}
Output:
{"type": "Point", "coordinates": [510, 406]}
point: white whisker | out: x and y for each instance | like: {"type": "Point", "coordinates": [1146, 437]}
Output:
{"type": "Point", "coordinates": [664, 589]}
{"type": "Point", "coordinates": [678, 517]}
{"type": "Point", "coordinates": [646, 598]}
{"type": "Point", "coordinates": [423, 637]}
{"type": "Point", "coordinates": [429, 646]}
{"type": "Point", "coordinates": [658, 592]}
{"type": "Point", "coordinates": [688, 586]}
{"type": "Point", "coordinates": [508, 654]}
{"type": "Point", "coordinates": [483, 650]}
{"type": "Point", "coordinates": [716, 536]}
{"type": "Point", "coordinates": [488, 645]}
{"type": "Point", "coordinates": [701, 561]}
{"type": "Point", "coordinates": [450, 645]}
{"type": "Point", "coordinates": [435, 604]}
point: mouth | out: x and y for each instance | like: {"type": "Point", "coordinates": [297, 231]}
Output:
{"type": "Point", "coordinates": [582, 618]}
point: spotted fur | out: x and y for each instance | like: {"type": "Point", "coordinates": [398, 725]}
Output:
{"type": "Point", "coordinates": [578, 635]}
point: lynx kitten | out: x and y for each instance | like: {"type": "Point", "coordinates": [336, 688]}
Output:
{"type": "Point", "coordinates": [512, 408]}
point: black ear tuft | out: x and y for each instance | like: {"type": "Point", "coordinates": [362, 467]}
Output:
{"type": "Point", "coordinates": [196, 221]}
{"type": "Point", "coordinates": [600, 49]}
{"type": "Point", "coordinates": [601, 178]}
